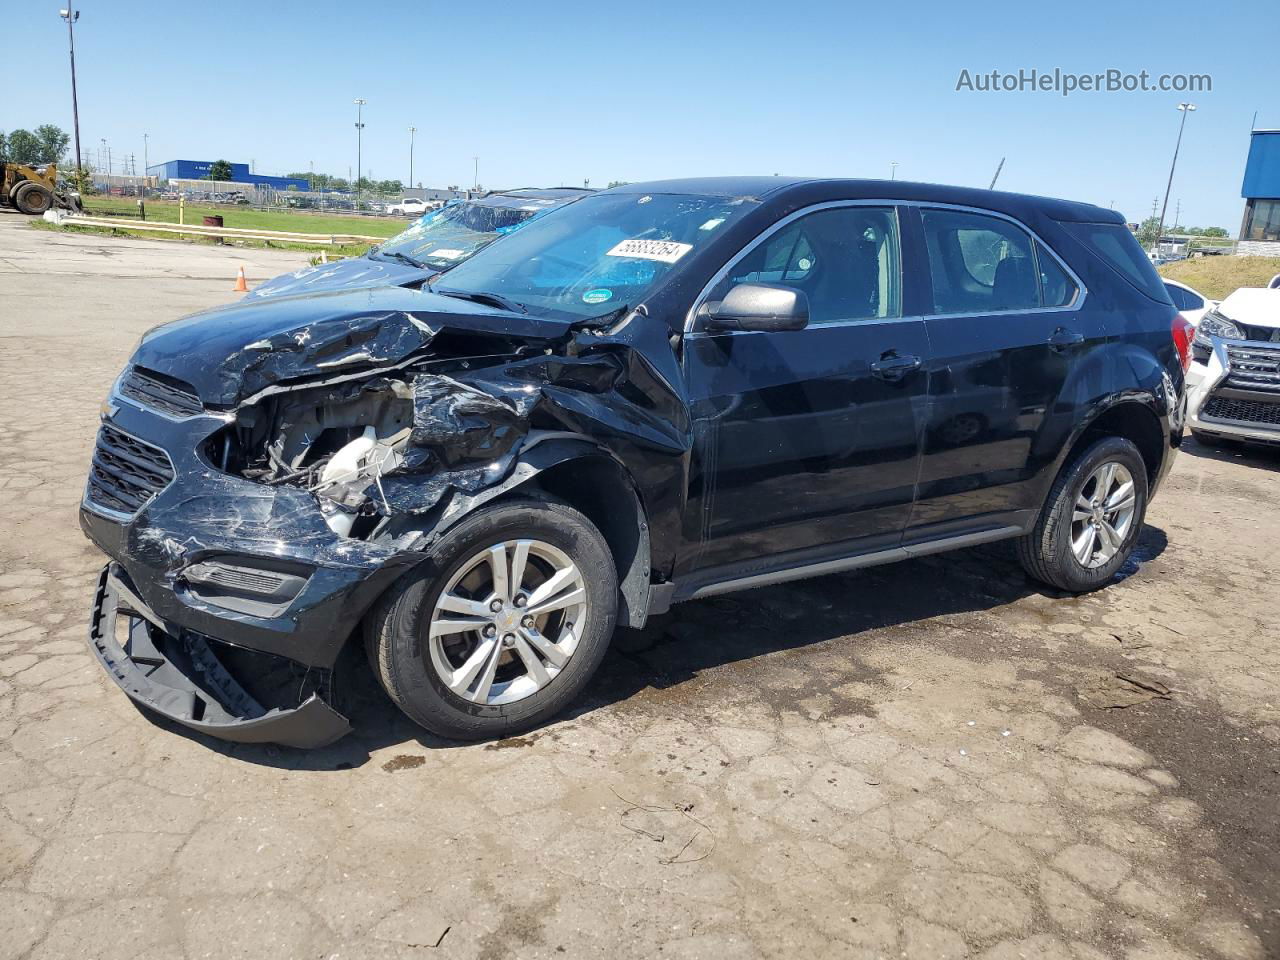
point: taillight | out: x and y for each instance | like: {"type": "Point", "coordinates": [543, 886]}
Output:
{"type": "Point", "coordinates": [1183, 333]}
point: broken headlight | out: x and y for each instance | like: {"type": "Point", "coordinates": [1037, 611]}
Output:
{"type": "Point", "coordinates": [1212, 324]}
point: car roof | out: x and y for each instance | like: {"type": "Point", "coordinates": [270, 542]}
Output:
{"type": "Point", "coordinates": [542, 193]}
{"type": "Point", "coordinates": [1184, 286]}
{"type": "Point", "coordinates": [818, 190]}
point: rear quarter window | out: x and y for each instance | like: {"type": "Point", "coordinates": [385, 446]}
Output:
{"type": "Point", "coordinates": [1119, 248]}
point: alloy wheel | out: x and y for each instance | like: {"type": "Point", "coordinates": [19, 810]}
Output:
{"type": "Point", "coordinates": [508, 621]}
{"type": "Point", "coordinates": [1103, 514]}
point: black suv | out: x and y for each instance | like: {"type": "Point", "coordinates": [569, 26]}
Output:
{"type": "Point", "coordinates": [660, 392]}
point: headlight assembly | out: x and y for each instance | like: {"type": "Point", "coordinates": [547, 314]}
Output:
{"type": "Point", "coordinates": [1214, 324]}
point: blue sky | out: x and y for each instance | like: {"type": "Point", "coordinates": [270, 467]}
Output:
{"type": "Point", "coordinates": [559, 92]}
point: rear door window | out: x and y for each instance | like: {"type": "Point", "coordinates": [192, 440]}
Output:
{"type": "Point", "coordinates": [979, 264]}
{"type": "Point", "coordinates": [1057, 289]}
{"type": "Point", "coordinates": [1182, 298]}
{"type": "Point", "coordinates": [1119, 248]}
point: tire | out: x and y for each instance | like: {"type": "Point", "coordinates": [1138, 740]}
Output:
{"type": "Point", "coordinates": [1048, 552]}
{"type": "Point", "coordinates": [32, 198]}
{"type": "Point", "coordinates": [410, 663]}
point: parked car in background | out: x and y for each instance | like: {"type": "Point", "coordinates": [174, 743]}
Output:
{"type": "Point", "coordinates": [408, 207]}
{"type": "Point", "coordinates": [1191, 303]}
{"type": "Point", "coordinates": [479, 479]}
{"type": "Point", "coordinates": [1234, 380]}
{"type": "Point", "coordinates": [440, 240]}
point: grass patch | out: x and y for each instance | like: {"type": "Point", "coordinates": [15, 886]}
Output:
{"type": "Point", "coordinates": [336, 252]}
{"type": "Point", "coordinates": [1216, 277]}
{"type": "Point", "coordinates": [246, 218]}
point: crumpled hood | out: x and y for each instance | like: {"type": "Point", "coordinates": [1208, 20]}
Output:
{"type": "Point", "coordinates": [230, 353]}
{"type": "Point", "coordinates": [347, 274]}
{"type": "Point", "coordinates": [1255, 306]}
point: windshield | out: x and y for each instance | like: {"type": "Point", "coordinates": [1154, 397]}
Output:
{"type": "Point", "coordinates": [451, 234]}
{"type": "Point", "coordinates": [597, 255]}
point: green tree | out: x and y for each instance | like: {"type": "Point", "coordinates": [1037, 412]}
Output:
{"type": "Point", "coordinates": [53, 143]}
{"type": "Point", "coordinates": [219, 170]}
{"type": "Point", "coordinates": [618, 183]}
{"type": "Point", "coordinates": [1148, 231]}
{"type": "Point", "coordinates": [4, 147]}
{"type": "Point", "coordinates": [24, 147]}
{"type": "Point", "coordinates": [1215, 232]}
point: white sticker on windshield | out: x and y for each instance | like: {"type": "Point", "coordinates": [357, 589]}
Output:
{"type": "Point", "coordinates": [667, 251]}
{"type": "Point", "coordinates": [446, 254]}
{"type": "Point", "coordinates": [712, 224]}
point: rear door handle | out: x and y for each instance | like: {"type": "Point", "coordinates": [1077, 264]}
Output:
{"type": "Point", "coordinates": [891, 366]}
{"type": "Point", "coordinates": [1063, 338]}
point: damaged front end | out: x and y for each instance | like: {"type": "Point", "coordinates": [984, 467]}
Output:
{"type": "Point", "coordinates": [257, 500]}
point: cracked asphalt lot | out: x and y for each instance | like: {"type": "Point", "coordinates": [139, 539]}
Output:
{"type": "Point", "coordinates": [890, 763]}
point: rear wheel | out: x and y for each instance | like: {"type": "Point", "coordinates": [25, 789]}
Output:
{"type": "Point", "coordinates": [503, 627]}
{"type": "Point", "coordinates": [32, 198]}
{"type": "Point", "coordinates": [1091, 520]}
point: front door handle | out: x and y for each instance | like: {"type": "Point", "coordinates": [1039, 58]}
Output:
{"type": "Point", "coordinates": [1063, 338]}
{"type": "Point", "coordinates": [892, 366]}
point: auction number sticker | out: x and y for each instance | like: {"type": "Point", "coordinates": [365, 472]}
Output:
{"type": "Point", "coordinates": [445, 253]}
{"type": "Point", "coordinates": [666, 251]}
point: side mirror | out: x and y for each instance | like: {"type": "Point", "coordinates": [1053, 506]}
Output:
{"type": "Point", "coordinates": [759, 306]}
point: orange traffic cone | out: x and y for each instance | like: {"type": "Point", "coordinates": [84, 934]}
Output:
{"type": "Point", "coordinates": [241, 286]}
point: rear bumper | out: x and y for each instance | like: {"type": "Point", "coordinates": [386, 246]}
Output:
{"type": "Point", "coordinates": [180, 677]}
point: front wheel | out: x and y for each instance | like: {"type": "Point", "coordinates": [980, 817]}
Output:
{"type": "Point", "coordinates": [1091, 520]}
{"type": "Point", "coordinates": [503, 626]}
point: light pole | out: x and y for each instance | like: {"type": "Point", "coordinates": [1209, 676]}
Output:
{"type": "Point", "coordinates": [893, 169]}
{"type": "Point", "coordinates": [1184, 109]}
{"type": "Point", "coordinates": [144, 165]}
{"type": "Point", "coordinates": [476, 185]}
{"type": "Point", "coordinates": [411, 132]}
{"type": "Point", "coordinates": [71, 16]}
{"type": "Point", "coordinates": [360, 102]}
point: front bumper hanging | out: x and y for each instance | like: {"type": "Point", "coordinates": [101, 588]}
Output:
{"type": "Point", "coordinates": [179, 676]}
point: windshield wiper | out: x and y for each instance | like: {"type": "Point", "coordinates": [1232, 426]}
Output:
{"type": "Point", "coordinates": [403, 258]}
{"type": "Point", "coordinates": [490, 299]}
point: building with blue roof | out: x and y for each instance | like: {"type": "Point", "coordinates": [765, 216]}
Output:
{"type": "Point", "coordinates": [240, 173]}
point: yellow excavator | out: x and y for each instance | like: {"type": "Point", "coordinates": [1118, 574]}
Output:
{"type": "Point", "coordinates": [33, 188]}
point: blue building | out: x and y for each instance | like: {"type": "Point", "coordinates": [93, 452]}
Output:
{"type": "Point", "coordinates": [1261, 188]}
{"type": "Point", "coordinates": [199, 170]}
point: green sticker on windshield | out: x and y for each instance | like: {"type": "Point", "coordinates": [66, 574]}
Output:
{"type": "Point", "coordinates": [597, 296]}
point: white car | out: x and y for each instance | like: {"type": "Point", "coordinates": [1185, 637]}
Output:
{"type": "Point", "coordinates": [1192, 304]}
{"type": "Point", "coordinates": [1234, 379]}
{"type": "Point", "coordinates": [409, 207]}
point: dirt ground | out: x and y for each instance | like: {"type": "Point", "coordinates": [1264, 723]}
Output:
{"type": "Point", "coordinates": [901, 762]}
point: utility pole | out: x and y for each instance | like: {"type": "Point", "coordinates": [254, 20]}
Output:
{"type": "Point", "coordinates": [1184, 109]}
{"type": "Point", "coordinates": [477, 180]}
{"type": "Point", "coordinates": [145, 165]}
{"type": "Point", "coordinates": [412, 131]}
{"type": "Point", "coordinates": [360, 102]}
{"type": "Point", "coordinates": [893, 170]}
{"type": "Point", "coordinates": [1177, 214]}
{"type": "Point", "coordinates": [71, 16]}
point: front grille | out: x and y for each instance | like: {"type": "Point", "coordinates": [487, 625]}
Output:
{"type": "Point", "coordinates": [1253, 367]}
{"type": "Point", "coordinates": [162, 393]}
{"type": "Point", "coordinates": [126, 472]}
{"type": "Point", "coordinates": [1243, 411]}
{"type": "Point", "coordinates": [1261, 334]}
